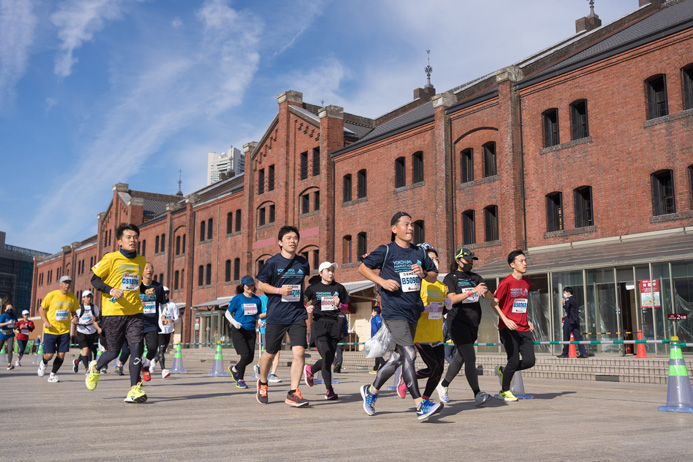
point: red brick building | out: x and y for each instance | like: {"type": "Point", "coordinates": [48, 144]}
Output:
{"type": "Point", "coordinates": [582, 154]}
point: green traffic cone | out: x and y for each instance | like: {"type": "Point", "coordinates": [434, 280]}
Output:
{"type": "Point", "coordinates": [218, 366]}
{"type": "Point", "coordinates": [679, 392]}
{"type": "Point", "coordinates": [178, 360]}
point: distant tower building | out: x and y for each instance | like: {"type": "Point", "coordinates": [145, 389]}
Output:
{"type": "Point", "coordinates": [230, 163]}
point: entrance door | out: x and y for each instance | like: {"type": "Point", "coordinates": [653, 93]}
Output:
{"type": "Point", "coordinates": [629, 313]}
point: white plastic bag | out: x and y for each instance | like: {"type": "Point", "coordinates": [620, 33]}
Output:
{"type": "Point", "coordinates": [379, 344]}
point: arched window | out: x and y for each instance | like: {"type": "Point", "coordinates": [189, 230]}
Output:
{"type": "Point", "coordinates": [419, 232]}
{"type": "Point", "coordinates": [491, 223]}
{"type": "Point", "coordinates": [229, 223]}
{"type": "Point", "coordinates": [346, 188]}
{"type": "Point", "coordinates": [236, 269]}
{"type": "Point", "coordinates": [550, 118]}
{"type": "Point", "coordinates": [554, 211]}
{"type": "Point", "coordinates": [656, 88]}
{"type": "Point", "coordinates": [400, 172]}
{"type": "Point", "coordinates": [583, 207]}
{"type": "Point", "coordinates": [362, 244]}
{"type": "Point", "coordinates": [346, 249]}
{"type": "Point", "coordinates": [417, 167]}
{"type": "Point", "coordinates": [203, 227]}
{"type": "Point", "coordinates": [578, 119]}
{"type": "Point", "coordinates": [468, 227]}
{"type": "Point", "coordinates": [210, 228]}
{"type": "Point", "coordinates": [687, 77]}
{"type": "Point", "coordinates": [467, 165]}
{"type": "Point", "coordinates": [361, 184]}
{"type": "Point", "coordinates": [490, 159]}
{"type": "Point", "coordinates": [663, 192]}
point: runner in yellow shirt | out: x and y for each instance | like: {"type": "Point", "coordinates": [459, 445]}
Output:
{"type": "Point", "coordinates": [119, 278]}
{"type": "Point", "coordinates": [56, 311]}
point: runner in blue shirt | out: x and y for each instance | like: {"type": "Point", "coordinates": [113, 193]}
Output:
{"type": "Point", "coordinates": [242, 313]}
{"type": "Point", "coordinates": [402, 266]}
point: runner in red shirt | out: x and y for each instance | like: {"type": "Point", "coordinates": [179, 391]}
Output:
{"type": "Point", "coordinates": [515, 329]}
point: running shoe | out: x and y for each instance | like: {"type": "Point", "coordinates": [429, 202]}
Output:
{"type": "Point", "coordinates": [118, 370]}
{"type": "Point", "coordinates": [75, 366]}
{"type": "Point", "coordinates": [241, 384]}
{"type": "Point", "coordinates": [17, 363]}
{"type": "Point", "coordinates": [146, 375]}
{"type": "Point", "coordinates": [104, 370]}
{"type": "Point", "coordinates": [368, 399]}
{"type": "Point", "coordinates": [295, 399]}
{"type": "Point", "coordinates": [443, 393]}
{"type": "Point", "coordinates": [136, 394]}
{"type": "Point", "coordinates": [482, 398]}
{"type": "Point", "coordinates": [330, 395]}
{"type": "Point", "coordinates": [152, 366]}
{"type": "Point", "coordinates": [308, 376]}
{"type": "Point", "coordinates": [10, 367]}
{"type": "Point", "coordinates": [506, 396]}
{"type": "Point", "coordinates": [261, 394]}
{"type": "Point", "coordinates": [337, 368]}
{"type": "Point", "coordinates": [165, 373]}
{"type": "Point", "coordinates": [499, 373]}
{"type": "Point", "coordinates": [256, 369]}
{"type": "Point", "coordinates": [92, 378]}
{"type": "Point", "coordinates": [53, 378]}
{"type": "Point", "coordinates": [233, 373]}
{"type": "Point", "coordinates": [42, 369]}
{"type": "Point", "coordinates": [273, 378]}
{"type": "Point", "coordinates": [373, 372]}
{"type": "Point", "coordinates": [401, 388]}
{"type": "Point", "coordinates": [427, 408]}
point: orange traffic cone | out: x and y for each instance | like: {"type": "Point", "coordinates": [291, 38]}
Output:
{"type": "Point", "coordinates": [642, 352]}
{"type": "Point", "coordinates": [572, 353]}
{"type": "Point", "coordinates": [679, 392]}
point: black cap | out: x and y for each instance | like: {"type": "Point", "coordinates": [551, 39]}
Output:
{"type": "Point", "coordinates": [465, 253]}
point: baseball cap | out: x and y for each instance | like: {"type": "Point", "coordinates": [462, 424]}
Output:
{"type": "Point", "coordinates": [25, 312]}
{"type": "Point", "coordinates": [465, 253]}
{"type": "Point", "coordinates": [325, 265]}
{"type": "Point", "coordinates": [86, 292]}
{"type": "Point", "coordinates": [66, 278]}
{"type": "Point", "coordinates": [248, 280]}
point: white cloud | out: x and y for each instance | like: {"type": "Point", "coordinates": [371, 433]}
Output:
{"type": "Point", "coordinates": [320, 83]}
{"type": "Point", "coordinates": [77, 21]}
{"type": "Point", "coordinates": [172, 92]}
{"type": "Point", "coordinates": [50, 102]}
{"type": "Point", "coordinates": [17, 26]}
{"type": "Point", "coordinates": [176, 23]}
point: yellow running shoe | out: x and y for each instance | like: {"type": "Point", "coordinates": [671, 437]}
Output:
{"type": "Point", "coordinates": [507, 396]}
{"type": "Point", "coordinates": [136, 394]}
{"type": "Point", "coordinates": [92, 378]}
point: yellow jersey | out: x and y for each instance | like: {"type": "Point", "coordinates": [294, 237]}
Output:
{"type": "Point", "coordinates": [120, 272]}
{"type": "Point", "coordinates": [59, 309]}
{"type": "Point", "coordinates": [430, 326]}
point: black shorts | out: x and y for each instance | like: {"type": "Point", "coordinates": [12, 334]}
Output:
{"type": "Point", "coordinates": [116, 329]}
{"type": "Point", "coordinates": [332, 328]}
{"type": "Point", "coordinates": [274, 334]}
{"type": "Point", "coordinates": [402, 331]}
{"type": "Point", "coordinates": [53, 343]}
{"type": "Point", "coordinates": [462, 333]}
{"type": "Point", "coordinates": [87, 340]}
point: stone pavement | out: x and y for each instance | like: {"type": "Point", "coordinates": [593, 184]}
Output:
{"type": "Point", "coordinates": [194, 416]}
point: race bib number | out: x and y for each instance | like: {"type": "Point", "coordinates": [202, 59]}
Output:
{"type": "Point", "coordinates": [86, 318]}
{"type": "Point", "coordinates": [409, 281]}
{"type": "Point", "coordinates": [434, 310]}
{"type": "Point", "coordinates": [295, 293]}
{"type": "Point", "coordinates": [61, 315]}
{"type": "Point", "coordinates": [249, 309]}
{"type": "Point", "coordinates": [472, 298]}
{"type": "Point", "coordinates": [149, 307]}
{"type": "Point", "coordinates": [520, 305]}
{"type": "Point", "coordinates": [25, 331]}
{"type": "Point", "coordinates": [327, 304]}
{"type": "Point", "coordinates": [130, 282]}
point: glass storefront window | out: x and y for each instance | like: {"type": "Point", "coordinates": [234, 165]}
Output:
{"type": "Point", "coordinates": [539, 311]}
{"type": "Point", "coordinates": [560, 281]}
{"type": "Point", "coordinates": [682, 276]}
{"type": "Point", "coordinates": [602, 308]}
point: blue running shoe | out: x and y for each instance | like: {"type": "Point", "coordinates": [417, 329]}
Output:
{"type": "Point", "coordinates": [368, 399]}
{"type": "Point", "coordinates": [241, 384]}
{"type": "Point", "coordinates": [427, 408]}
{"type": "Point", "coordinates": [233, 373]}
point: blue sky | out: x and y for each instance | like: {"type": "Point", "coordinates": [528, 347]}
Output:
{"type": "Point", "coordinates": [97, 92]}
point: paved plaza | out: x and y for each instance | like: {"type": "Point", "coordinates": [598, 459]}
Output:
{"type": "Point", "coordinates": [194, 416]}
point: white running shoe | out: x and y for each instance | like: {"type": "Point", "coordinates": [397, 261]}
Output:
{"type": "Point", "coordinates": [42, 369]}
{"type": "Point", "coordinates": [152, 366]}
{"type": "Point", "coordinates": [53, 378]}
{"type": "Point", "coordinates": [256, 369]}
{"type": "Point", "coordinates": [273, 378]}
{"type": "Point", "coordinates": [443, 393]}
{"type": "Point", "coordinates": [17, 363]}
{"type": "Point", "coordinates": [165, 373]}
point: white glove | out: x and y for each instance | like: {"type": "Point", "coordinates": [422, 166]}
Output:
{"type": "Point", "coordinates": [448, 303]}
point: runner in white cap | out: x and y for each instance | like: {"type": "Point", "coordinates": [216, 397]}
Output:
{"type": "Point", "coordinates": [88, 331]}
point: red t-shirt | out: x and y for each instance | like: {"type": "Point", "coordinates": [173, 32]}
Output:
{"type": "Point", "coordinates": [24, 328]}
{"type": "Point", "coordinates": [513, 298]}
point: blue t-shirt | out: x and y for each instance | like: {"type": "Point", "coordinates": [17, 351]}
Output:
{"type": "Point", "coordinates": [376, 324]}
{"type": "Point", "coordinates": [5, 318]}
{"type": "Point", "coordinates": [151, 307]}
{"type": "Point", "coordinates": [245, 310]}
{"type": "Point", "coordinates": [285, 309]}
{"type": "Point", "coordinates": [394, 262]}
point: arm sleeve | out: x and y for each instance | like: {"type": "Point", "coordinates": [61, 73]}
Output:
{"type": "Point", "coordinates": [98, 284]}
{"type": "Point", "coordinates": [176, 313]}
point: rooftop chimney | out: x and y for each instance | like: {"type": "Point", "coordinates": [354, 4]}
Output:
{"type": "Point", "coordinates": [589, 22]}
